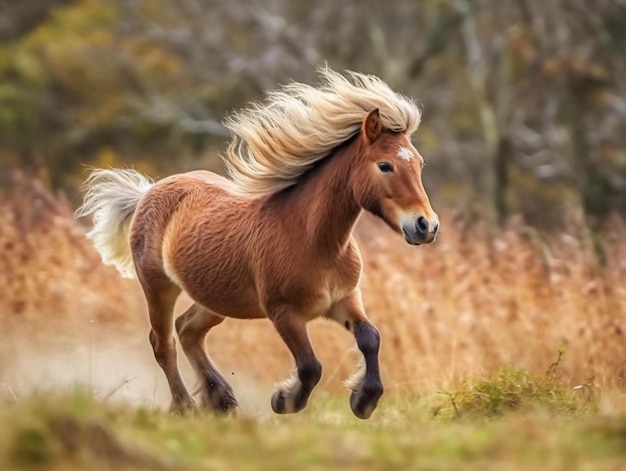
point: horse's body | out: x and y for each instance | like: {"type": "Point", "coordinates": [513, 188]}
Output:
{"type": "Point", "coordinates": [286, 253]}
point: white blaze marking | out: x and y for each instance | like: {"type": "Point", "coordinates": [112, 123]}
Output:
{"type": "Point", "coordinates": [405, 153]}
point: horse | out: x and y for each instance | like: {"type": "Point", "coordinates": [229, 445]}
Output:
{"type": "Point", "coordinates": [275, 240]}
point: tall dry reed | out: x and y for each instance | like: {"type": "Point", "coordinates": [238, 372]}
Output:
{"type": "Point", "coordinates": [477, 299]}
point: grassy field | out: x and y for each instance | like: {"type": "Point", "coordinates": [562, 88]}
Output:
{"type": "Point", "coordinates": [76, 432]}
{"type": "Point", "coordinates": [474, 328]}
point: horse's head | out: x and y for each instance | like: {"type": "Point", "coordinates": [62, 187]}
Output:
{"type": "Point", "coordinates": [388, 182]}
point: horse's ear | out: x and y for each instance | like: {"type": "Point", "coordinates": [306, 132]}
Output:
{"type": "Point", "coordinates": [372, 126]}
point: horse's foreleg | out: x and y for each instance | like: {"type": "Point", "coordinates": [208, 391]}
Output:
{"type": "Point", "coordinates": [366, 385]}
{"type": "Point", "coordinates": [293, 394]}
{"type": "Point", "coordinates": [161, 300]}
{"type": "Point", "coordinates": [192, 327]}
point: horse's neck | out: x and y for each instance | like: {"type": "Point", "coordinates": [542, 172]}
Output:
{"type": "Point", "coordinates": [324, 205]}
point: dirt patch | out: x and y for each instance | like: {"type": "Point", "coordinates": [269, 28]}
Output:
{"type": "Point", "coordinates": [115, 362]}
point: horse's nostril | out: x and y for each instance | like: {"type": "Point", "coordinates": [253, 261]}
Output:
{"type": "Point", "coordinates": [421, 224]}
{"type": "Point", "coordinates": [436, 227]}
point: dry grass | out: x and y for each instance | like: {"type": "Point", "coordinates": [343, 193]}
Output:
{"type": "Point", "coordinates": [48, 271]}
{"type": "Point", "coordinates": [476, 300]}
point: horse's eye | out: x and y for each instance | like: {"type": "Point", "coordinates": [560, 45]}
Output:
{"type": "Point", "coordinates": [385, 167]}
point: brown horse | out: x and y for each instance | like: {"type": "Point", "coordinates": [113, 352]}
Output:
{"type": "Point", "coordinates": [275, 241]}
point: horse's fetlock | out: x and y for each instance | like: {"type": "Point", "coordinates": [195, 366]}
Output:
{"type": "Point", "coordinates": [219, 397]}
{"type": "Point", "coordinates": [372, 390]}
{"type": "Point", "coordinates": [310, 373]}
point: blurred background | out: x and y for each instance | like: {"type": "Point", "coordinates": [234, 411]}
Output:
{"type": "Point", "coordinates": [524, 135]}
{"type": "Point", "coordinates": [524, 101]}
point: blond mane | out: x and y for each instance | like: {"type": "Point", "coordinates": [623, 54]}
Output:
{"type": "Point", "coordinates": [274, 142]}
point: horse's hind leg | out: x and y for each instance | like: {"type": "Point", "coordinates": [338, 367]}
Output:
{"type": "Point", "coordinates": [192, 327]}
{"type": "Point", "coordinates": [161, 296]}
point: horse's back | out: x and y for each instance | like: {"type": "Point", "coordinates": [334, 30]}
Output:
{"type": "Point", "coordinates": [203, 176]}
{"type": "Point", "coordinates": [191, 191]}
{"type": "Point", "coordinates": [195, 226]}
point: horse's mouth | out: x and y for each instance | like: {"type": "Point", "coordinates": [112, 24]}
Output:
{"type": "Point", "coordinates": [409, 239]}
{"type": "Point", "coordinates": [430, 237]}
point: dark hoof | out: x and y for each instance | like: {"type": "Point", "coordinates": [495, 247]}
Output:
{"type": "Point", "coordinates": [364, 402]}
{"type": "Point", "coordinates": [285, 404]}
{"type": "Point", "coordinates": [279, 403]}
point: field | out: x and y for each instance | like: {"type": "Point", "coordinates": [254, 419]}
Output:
{"type": "Point", "coordinates": [502, 349]}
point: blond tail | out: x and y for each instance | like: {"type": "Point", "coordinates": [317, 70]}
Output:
{"type": "Point", "coordinates": [111, 199]}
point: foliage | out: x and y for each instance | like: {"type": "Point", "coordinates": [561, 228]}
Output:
{"type": "Point", "coordinates": [524, 106]}
{"type": "Point", "coordinates": [60, 107]}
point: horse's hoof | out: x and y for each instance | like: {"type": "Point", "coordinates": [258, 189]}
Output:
{"type": "Point", "coordinates": [287, 404]}
{"type": "Point", "coordinates": [279, 403]}
{"type": "Point", "coordinates": [364, 402]}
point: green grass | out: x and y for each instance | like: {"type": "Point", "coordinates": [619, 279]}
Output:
{"type": "Point", "coordinates": [511, 389]}
{"type": "Point", "coordinates": [76, 432]}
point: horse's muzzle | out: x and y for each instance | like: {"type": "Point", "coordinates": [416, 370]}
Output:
{"type": "Point", "coordinates": [420, 230]}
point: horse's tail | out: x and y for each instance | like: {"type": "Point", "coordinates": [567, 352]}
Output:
{"type": "Point", "coordinates": [111, 198]}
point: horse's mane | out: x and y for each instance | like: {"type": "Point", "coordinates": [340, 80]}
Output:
{"type": "Point", "coordinates": [275, 141]}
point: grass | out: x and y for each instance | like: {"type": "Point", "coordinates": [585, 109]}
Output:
{"type": "Point", "coordinates": [511, 389]}
{"type": "Point", "coordinates": [75, 432]}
